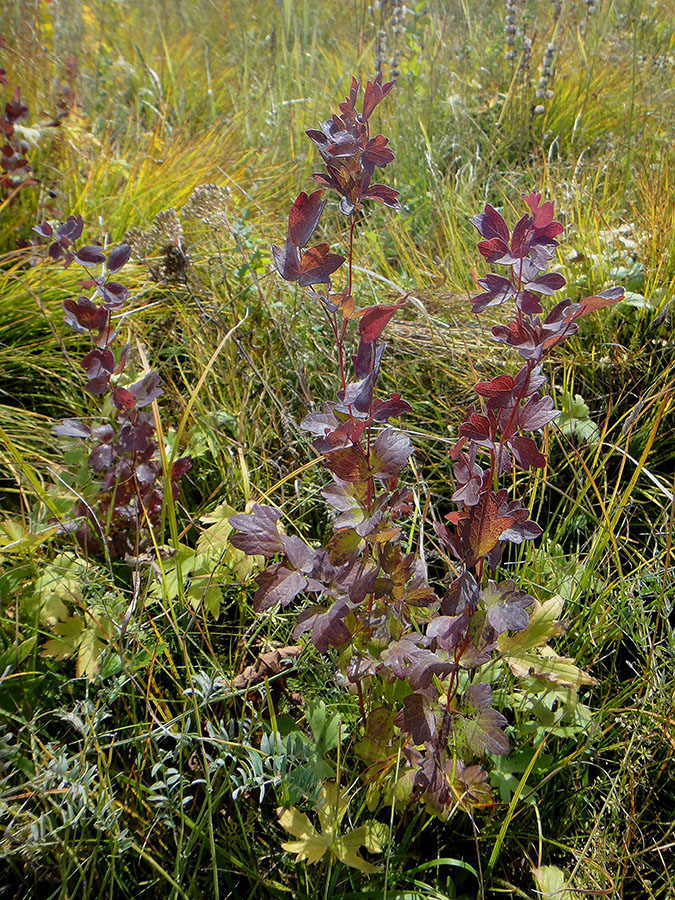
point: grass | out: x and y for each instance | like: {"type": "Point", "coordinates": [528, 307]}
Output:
{"type": "Point", "coordinates": [123, 785]}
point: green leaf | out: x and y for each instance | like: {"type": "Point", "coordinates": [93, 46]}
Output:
{"type": "Point", "coordinates": [526, 655]}
{"type": "Point", "coordinates": [325, 727]}
{"type": "Point", "coordinates": [203, 593]}
{"type": "Point", "coordinates": [507, 769]}
{"type": "Point", "coordinates": [167, 588]}
{"type": "Point", "coordinates": [575, 420]}
{"type": "Point", "coordinates": [374, 745]}
{"type": "Point", "coordinates": [112, 665]}
{"type": "Point", "coordinates": [15, 540]}
{"type": "Point", "coordinates": [14, 656]}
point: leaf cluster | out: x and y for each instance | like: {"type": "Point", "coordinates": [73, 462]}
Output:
{"type": "Point", "coordinates": [15, 170]}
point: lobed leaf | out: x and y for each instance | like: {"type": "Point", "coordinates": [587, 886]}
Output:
{"type": "Point", "coordinates": [304, 216]}
{"type": "Point", "coordinates": [287, 260]}
{"type": "Point", "coordinates": [349, 464]}
{"type": "Point", "coordinates": [257, 531]}
{"type": "Point", "coordinates": [318, 264]}
{"type": "Point", "coordinates": [390, 454]}
{"type": "Point", "coordinates": [276, 584]}
{"type": "Point", "coordinates": [375, 319]}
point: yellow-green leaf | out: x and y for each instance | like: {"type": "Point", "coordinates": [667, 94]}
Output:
{"type": "Point", "coordinates": [312, 845]}
{"type": "Point", "coordinates": [552, 883]}
{"type": "Point", "coordinates": [545, 663]}
{"type": "Point", "coordinates": [68, 635]}
{"type": "Point", "coordinates": [90, 650]}
{"type": "Point", "coordinates": [216, 536]}
{"type": "Point", "coordinates": [57, 585]}
{"type": "Point", "coordinates": [15, 540]}
{"type": "Point", "coordinates": [15, 655]}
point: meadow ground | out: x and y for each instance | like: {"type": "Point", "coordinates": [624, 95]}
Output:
{"type": "Point", "coordinates": [133, 763]}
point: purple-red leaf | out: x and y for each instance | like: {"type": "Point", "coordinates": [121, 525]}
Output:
{"type": "Point", "coordinates": [482, 527]}
{"type": "Point", "coordinates": [147, 390]}
{"type": "Point", "coordinates": [462, 593]}
{"type": "Point", "coordinates": [484, 726]}
{"type": "Point", "coordinates": [382, 193]}
{"type": "Point", "coordinates": [537, 413]}
{"type": "Point", "coordinates": [119, 257]}
{"type": "Point", "coordinates": [44, 230]}
{"type": "Point", "coordinates": [383, 410]}
{"type": "Point", "coordinates": [276, 584]}
{"type": "Point", "coordinates": [500, 388]}
{"type": "Point", "coordinates": [89, 256]}
{"type": "Point", "coordinates": [375, 319]}
{"type": "Point", "coordinates": [349, 464]}
{"type": "Point", "coordinates": [101, 457]}
{"type": "Point", "coordinates": [542, 215]}
{"type": "Point", "coordinates": [97, 363]}
{"type": "Point", "coordinates": [97, 386]}
{"type": "Point", "coordinates": [416, 664]}
{"type": "Point", "coordinates": [367, 359]}
{"type": "Point", "coordinates": [304, 217]}
{"type": "Point", "coordinates": [287, 260]}
{"type": "Point", "coordinates": [506, 606]}
{"type": "Point", "coordinates": [547, 284]}
{"type": "Point", "coordinates": [345, 546]}
{"type": "Point", "coordinates": [377, 153]}
{"type": "Point", "coordinates": [114, 294]}
{"type": "Point", "coordinates": [299, 554]}
{"type": "Point", "coordinates": [180, 467]}
{"type": "Point", "coordinates": [448, 631]}
{"type": "Point", "coordinates": [320, 422]}
{"type": "Point", "coordinates": [318, 264]}
{"type": "Point", "coordinates": [122, 399]}
{"type": "Point", "coordinates": [327, 625]}
{"type": "Point", "coordinates": [82, 315]}
{"type": "Point", "coordinates": [72, 428]}
{"type": "Point", "coordinates": [258, 532]}
{"type": "Point", "coordinates": [605, 298]}
{"type": "Point", "coordinates": [529, 302]}
{"type": "Point", "coordinates": [389, 454]}
{"type": "Point", "coordinates": [136, 438]}
{"type": "Point", "coordinates": [491, 225]}
{"type": "Point", "coordinates": [526, 452]}
{"type": "Point", "coordinates": [417, 718]}
{"type": "Point", "coordinates": [71, 229]}
{"type": "Point", "coordinates": [374, 93]}
{"type": "Point", "coordinates": [16, 109]}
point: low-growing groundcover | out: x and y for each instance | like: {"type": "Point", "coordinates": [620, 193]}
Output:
{"type": "Point", "coordinates": [426, 652]}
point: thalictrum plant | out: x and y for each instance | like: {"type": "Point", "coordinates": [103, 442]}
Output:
{"type": "Point", "coordinates": [371, 600]}
{"type": "Point", "coordinates": [126, 503]}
